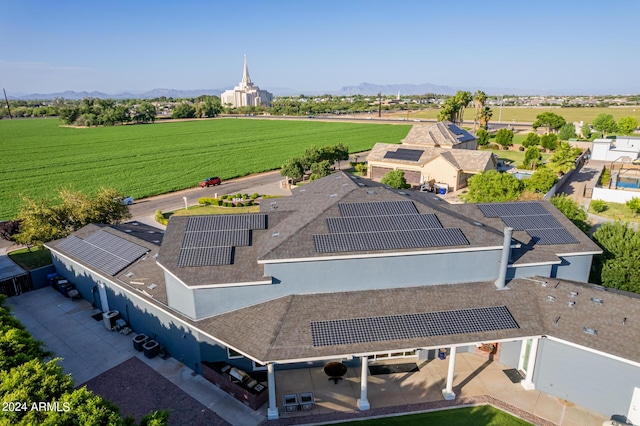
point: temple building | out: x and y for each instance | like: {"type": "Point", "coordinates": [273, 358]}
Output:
{"type": "Point", "coordinates": [246, 93]}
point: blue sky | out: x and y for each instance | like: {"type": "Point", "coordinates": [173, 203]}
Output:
{"type": "Point", "coordinates": [111, 46]}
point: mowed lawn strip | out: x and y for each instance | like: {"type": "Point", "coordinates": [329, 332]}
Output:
{"type": "Point", "coordinates": [484, 415]}
{"type": "Point", "coordinates": [39, 156]}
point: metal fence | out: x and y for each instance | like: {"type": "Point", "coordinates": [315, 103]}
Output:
{"type": "Point", "coordinates": [16, 285]}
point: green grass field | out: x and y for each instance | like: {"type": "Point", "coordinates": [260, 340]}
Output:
{"type": "Point", "coordinates": [528, 114]}
{"type": "Point", "coordinates": [39, 156]}
{"type": "Point", "coordinates": [484, 415]}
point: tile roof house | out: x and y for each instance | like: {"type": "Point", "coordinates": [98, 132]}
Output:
{"type": "Point", "coordinates": [349, 270]}
{"type": "Point", "coordinates": [442, 153]}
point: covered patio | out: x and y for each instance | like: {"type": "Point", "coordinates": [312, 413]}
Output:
{"type": "Point", "coordinates": [476, 380]}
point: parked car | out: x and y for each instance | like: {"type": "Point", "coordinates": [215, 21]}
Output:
{"type": "Point", "coordinates": [127, 201]}
{"type": "Point", "coordinates": [212, 181]}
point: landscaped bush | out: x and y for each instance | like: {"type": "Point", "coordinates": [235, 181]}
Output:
{"type": "Point", "coordinates": [239, 205]}
{"type": "Point", "coordinates": [227, 204]}
{"type": "Point", "coordinates": [361, 168]}
{"type": "Point", "coordinates": [599, 206]}
{"type": "Point", "coordinates": [605, 177]}
{"type": "Point", "coordinates": [493, 146]}
{"type": "Point", "coordinates": [521, 148]}
{"type": "Point", "coordinates": [255, 195]}
{"type": "Point", "coordinates": [160, 218]}
{"type": "Point", "coordinates": [208, 201]}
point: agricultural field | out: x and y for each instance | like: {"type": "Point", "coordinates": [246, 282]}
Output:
{"type": "Point", "coordinates": [527, 114]}
{"type": "Point", "coordinates": [39, 156]}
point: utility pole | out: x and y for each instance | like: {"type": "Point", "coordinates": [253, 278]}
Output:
{"type": "Point", "coordinates": [9, 108]}
{"type": "Point", "coordinates": [379, 104]}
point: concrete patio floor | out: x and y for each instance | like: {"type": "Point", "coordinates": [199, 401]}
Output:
{"type": "Point", "coordinates": [89, 349]}
{"type": "Point", "coordinates": [474, 377]}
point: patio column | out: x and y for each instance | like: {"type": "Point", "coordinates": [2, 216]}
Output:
{"type": "Point", "coordinates": [447, 392]}
{"type": "Point", "coordinates": [272, 411]}
{"type": "Point", "coordinates": [363, 402]}
{"type": "Point", "coordinates": [527, 383]}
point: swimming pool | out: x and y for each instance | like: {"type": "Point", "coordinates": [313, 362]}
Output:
{"type": "Point", "coordinates": [628, 182]}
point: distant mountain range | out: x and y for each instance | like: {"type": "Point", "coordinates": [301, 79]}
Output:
{"type": "Point", "coordinates": [361, 89]}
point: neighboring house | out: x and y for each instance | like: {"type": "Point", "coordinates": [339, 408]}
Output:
{"type": "Point", "coordinates": [443, 134]}
{"type": "Point", "coordinates": [347, 269]}
{"type": "Point", "coordinates": [246, 93]}
{"type": "Point", "coordinates": [621, 149]}
{"type": "Point", "coordinates": [422, 163]}
{"type": "Point", "coordinates": [441, 153]}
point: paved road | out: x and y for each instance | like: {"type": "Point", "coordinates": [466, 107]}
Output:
{"type": "Point", "coordinates": [174, 200]}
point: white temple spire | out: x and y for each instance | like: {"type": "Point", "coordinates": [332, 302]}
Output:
{"type": "Point", "coordinates": [246, 80]}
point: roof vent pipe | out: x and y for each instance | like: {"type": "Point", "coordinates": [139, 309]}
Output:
{"type": "Point", "coordinates": [501, 282]}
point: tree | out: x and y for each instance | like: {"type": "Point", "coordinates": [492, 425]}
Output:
{"type": "Point", "coordinates": [183, 110]}
{"type": "Point", "coordinates": [485, 116]}
{"type": "Point", "coordinates": [627, 125]}
{"type": "Point", "coordinates": [42, 220]}
{"type": "Point", "coordinates": [532, 157]}
{"type": "Point", "coordinates": [549, 120]}
{"type": "Point", "coordinates": [619, 264]}
{"type": "Point", "coordinates": [479, 99]}
{"type": "Point", "coordinates": [492, 186]}
{"type": "Point", "coordinates": [293, 168]}
{"type": "Point", "coordinates": [634, 205]}
{"type": "Point", "coordinates": [572, 211]}
{"type": "Point", "coordinates": [483, 137]}
{"type": "Point", "coordinates": [563, 159]}
{"type": "Point", "coordinates": [395, 179]}
{"type": "Point", "coordinates": [532, 139]}
{"type": "Point", "coordinates": [8, 229]}
{"type": "Point", "coordinates": [585, 131]}
{"type": "Point", "coordinates": [549, 141]}
{"type": "Point", "coordinates": [504, 137]}
{"type": "Point", "coordinates": [321, 168]}
{"type": "Point", "coordinates": [453, 108]}
{"type": "Point", "coordinates": [209, 106]}
{"type": "Point", "coordinates": [605, 124]}
{"type": "Point", "coordinates": [145, 113]}
{"type": "Point", "coordinates": [541, 181]}
{"type": "Point", "coordinates": [567, 132]}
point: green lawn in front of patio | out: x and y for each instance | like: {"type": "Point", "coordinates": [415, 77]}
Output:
{"type": "Point", "coordinates": [484, 415]}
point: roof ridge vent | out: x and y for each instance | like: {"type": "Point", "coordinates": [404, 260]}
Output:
{"type": "Point", "coordinates": [573, 293]}
{"type": "Point", "coordinates": [371, 192]}
{"type": "Point", "coordinates": [571, 303]}
{"type": "Point", "coordinates": [303, 190]}
{"type": "Point", "coordinates": [624, 321]}
{"type": "Point", "coordinates": [333, 195]}
{"type": "Point", "coordinates": [551, 298]}
{"type": "Point", "coordinates": [597, 300]}
{"type": "Point", "coordinates": [590, 330]}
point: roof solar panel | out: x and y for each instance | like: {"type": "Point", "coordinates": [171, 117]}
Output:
{"type": "Point", "coordinates": [382, 223]}
{"type": "Point", "coordinates": [377, 208]}
{"type": "Point", "coordinates": [93, 255]}
{"type": "Point", "coordinates": [117, 246]}
{"type": "Point", "coordinates": [411, 326]}
{"type": "Point", "coordinates": [210, 256]}
{"type": "Point", "coordinates": [488, 210]}
{"type": "Point", "coordinates": [404, 154]}
{"type": "Point", "coordinates": [552, 236]}
{"type": "Point", "coordinates": [389, 240]}
{"type": "Point", "coordinates": [226, 222]}
{"type": "Point", "coordinates": [233, 238]}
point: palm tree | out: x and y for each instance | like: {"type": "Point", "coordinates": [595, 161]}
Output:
{"type": "Point", "coordinates": [483, 118]}
{"type": "Point", "coordinates": [479, 98]}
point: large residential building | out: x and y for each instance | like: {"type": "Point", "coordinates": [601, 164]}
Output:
{"type": "Point", "coordinates": [349, 270]}
{"type": "Point", "coordinates": [246, 93]}
{"type": "Point", "coordinates": [442, 154]}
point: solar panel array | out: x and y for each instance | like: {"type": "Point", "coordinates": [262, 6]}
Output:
{"type": "Point", "coordinates": [226, 222]}
{"type": "Point", "coordinates": [377, 208]}
{"type": "Point", "coordinates": [104, 251]}
{"type": "Point", "coordinates": [382, 223]}
{"type": "Point", "coordinates": [388, 240]}
{"type": "Point", "coordinates": [209, 256]}
{"type": "Point", "coordinates": [405, 154]}
{"type": "Point", "coordinates": [533, 218]}
{"type": "Point", "coordinates": [234, 238]}
{"type": "Point", "coordinates": [411, 326]}
{"type": "Point", "coordinates": [210, 240]}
